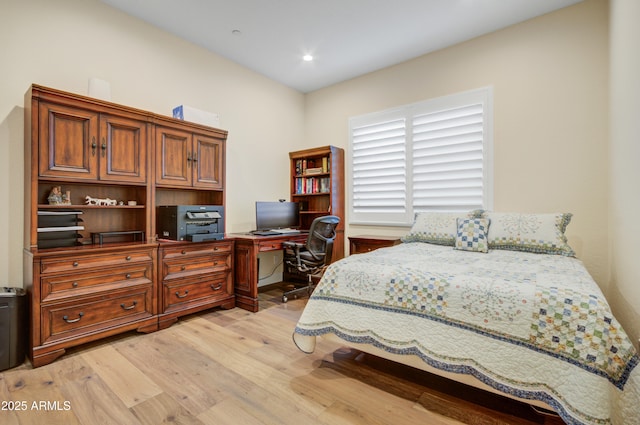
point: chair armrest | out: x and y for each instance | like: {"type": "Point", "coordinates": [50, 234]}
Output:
{"type": "Point", "coordinates": [293, 245]}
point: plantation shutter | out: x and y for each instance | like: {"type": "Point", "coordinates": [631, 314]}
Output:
{"type": "Point", "coordinates": [447, 154]}
{"type": "Point", "coordinates": [434, 155]}
{"type": "Point", "coordinates": [378, 159]}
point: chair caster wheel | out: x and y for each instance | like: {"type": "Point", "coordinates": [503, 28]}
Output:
{"type": "Point", "coordinates": [284, 299]}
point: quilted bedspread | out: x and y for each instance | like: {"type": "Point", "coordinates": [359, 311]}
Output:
{"type": "Point", "coordinates": [534, 326]}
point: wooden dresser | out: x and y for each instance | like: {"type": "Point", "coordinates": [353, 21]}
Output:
{"type": "Point", "coordinates": [95, 269]}
{"type": "Point", "coordinates": [195, 276]}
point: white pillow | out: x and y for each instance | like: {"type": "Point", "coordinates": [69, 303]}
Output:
{"type": "Point", "coordinates": [438, 228]}
{"type": "Point", "coordinates": [540, 233]}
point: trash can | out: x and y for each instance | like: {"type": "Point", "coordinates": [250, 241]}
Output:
{"type": "Point", "coordinates": [13, 327]}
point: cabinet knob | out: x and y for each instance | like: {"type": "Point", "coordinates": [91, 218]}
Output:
{"type": "Point", "coordinates": [94, 145]}
{"type": "Point", "coordinates": [103, 147]}
{"type": "Point", "coordinates": [128, 276]}
{"type": "Point", "coordinates": [128, 258]}
{"type": "Point", "coordinates": [216, 288]}
{"type": "Point", "coordinates": [183, 268]}
{"type": "Point", "coordinates": [76, 264]}
{"type": "Point", "coordinates": [183, 252]}
{"type": "Point", "coordinates": [74, 284]}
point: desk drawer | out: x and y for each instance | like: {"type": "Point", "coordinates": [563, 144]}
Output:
{"type": "Point", "coordinates": [84, 262]}
{"type": "Point", "coordinates": [270, 246]}
{"type": "Point", "coordinates": [197, 249]}
{"type": "Point", "coordinates": [177, 294]}
{"type": "Point", "coordinates": [69, 285]}
{"type": "Point", "coordinates": [75, 318]}
{"type": "Point", "coordinates": [192, 265]}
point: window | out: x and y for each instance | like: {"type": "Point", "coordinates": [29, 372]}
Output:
{"type": "Point", "coordinates": [434, 155]}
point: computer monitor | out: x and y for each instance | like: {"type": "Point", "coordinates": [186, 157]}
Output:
{"type": "Point", "coordinates": [277, 215]}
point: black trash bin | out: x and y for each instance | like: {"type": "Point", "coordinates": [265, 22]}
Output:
{"type": "Point", "coordinates": [13, 327]}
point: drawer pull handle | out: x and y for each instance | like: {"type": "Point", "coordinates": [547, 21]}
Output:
{"type": "Point", "coordinates": [131, 307]}
{"type": "Point", "coordinates": [215, 263]}
{"type": "Point", "coordinates": [215, 248]}
{"type": "Point", "coordinates": [128, 258]}
{"type": "Point", "coordinates": [183, 252]}
{"type": "Point", "coordinates": [183, 268]}
{"type": "Point", "coordinates": [215, 288]}
{"type": "Point", "coordinates": [66, 318]}
{"type": "Point", "coordinates": [76, 264]}
{"type": "Point", "coordinates": [74, 284]}
{"type": "Point", "coordinates": [182, 296]}
{"type": "Point", "coordinates": [128, 276]}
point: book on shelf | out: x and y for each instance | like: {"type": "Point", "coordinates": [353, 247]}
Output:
{"type": "Point", "coordinates": [312, 185]}
{"type": "Point", "coordinates": [315, 170]}
{"type": "Point", "coordinates": [312, 166]}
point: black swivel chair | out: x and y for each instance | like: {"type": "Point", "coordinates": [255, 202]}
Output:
{"type": "Point", "coordinates": [312, 257]}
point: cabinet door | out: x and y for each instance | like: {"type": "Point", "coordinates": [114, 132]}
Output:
{"type": "Point", "coordinates": [123, 149]}
{"type": "Point", "coordinates": [68, 142]}
{"type": "Point", "coordinates": [173, 156]}
{"type": "Point", "coordinates": [207, 162]}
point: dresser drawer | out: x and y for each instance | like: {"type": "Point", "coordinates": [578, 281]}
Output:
{"type": "Point", "coordinates": [186, 291]}
{"type": "Point", "coordinates": [196, 249]}
{"type": "Point", "coordinates": [73, 319]}
{"type": "Point", "coordinates": [84, 262]}
{"type": "Point", "coordinates": [66, 285]}
{"type": "Point", "coordinates": [178, 268]}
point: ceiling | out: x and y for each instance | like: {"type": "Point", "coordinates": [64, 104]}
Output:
{"type": "Point", "coordinates": [347, 38]}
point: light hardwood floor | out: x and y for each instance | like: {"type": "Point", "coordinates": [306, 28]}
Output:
{"type": "Point", "coordinates": [235, 367]}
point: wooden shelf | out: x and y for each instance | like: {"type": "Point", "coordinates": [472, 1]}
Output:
{"type": "Point", "coordinates": [83, 206]}
{"type": "Point", "coordinates": [318, 202]}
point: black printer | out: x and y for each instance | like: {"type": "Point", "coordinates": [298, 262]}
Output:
{"type": "Point", "coordinates": [195, 223]}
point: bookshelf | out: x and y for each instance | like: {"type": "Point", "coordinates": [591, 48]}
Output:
{"type": "Point", "coordinates": [317, 184]}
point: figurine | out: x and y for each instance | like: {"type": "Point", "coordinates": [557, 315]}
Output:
{"type": "Point", "coordinates": [100, 201]}
{"type": "Point", "coordinates": [55, 197]}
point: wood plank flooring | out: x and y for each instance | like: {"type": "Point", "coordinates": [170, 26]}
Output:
{"type": "Point", "coordinates": [235, 367]}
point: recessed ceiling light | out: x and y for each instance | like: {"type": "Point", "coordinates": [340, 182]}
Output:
{"type": "Point", "coordinates": [307, 58]}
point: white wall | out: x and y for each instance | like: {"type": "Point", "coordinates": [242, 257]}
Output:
{"type": "Point", "coordinates": [625, 172]}
{"type": "Point", "coordinates": [550, 80]}
{"type": "Point", "coordinates": [62, 43]}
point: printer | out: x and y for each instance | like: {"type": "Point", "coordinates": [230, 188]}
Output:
{"type": "Point", "coordinates": [195, 223]}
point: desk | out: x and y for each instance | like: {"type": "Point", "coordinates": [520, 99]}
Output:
{"type": "Point", "coordinates": [245, 263]}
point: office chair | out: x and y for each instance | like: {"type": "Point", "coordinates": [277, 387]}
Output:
{"type": "Point", "coordinates": [312, 257]}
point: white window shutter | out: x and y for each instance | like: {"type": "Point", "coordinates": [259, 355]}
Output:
{"type": "Point", "coordinates": [434, 155]}
{"type": "Point", "coordinates": [447, 154]}
{"type": "Point", "coordinates": [378, 161]}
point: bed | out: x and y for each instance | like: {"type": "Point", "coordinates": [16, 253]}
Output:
{"type": "Point", "coordinates": [494, 300]}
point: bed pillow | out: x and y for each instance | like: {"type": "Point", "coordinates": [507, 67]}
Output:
{"type": "Point", "coordinates": [540, 233]}
{"type": "Point", "coordinates": [438, 228]}
{"type": "Point", "coordinates": [472, 234]}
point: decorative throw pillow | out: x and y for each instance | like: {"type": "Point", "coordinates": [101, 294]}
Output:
{"type": "Point", "coordinates": [540, 233]}
{"type": "Point", "coordinates": [472, 234]}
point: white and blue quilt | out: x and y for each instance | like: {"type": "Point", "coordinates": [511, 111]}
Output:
{"type": "Point", "coordinates": [535, 326]}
